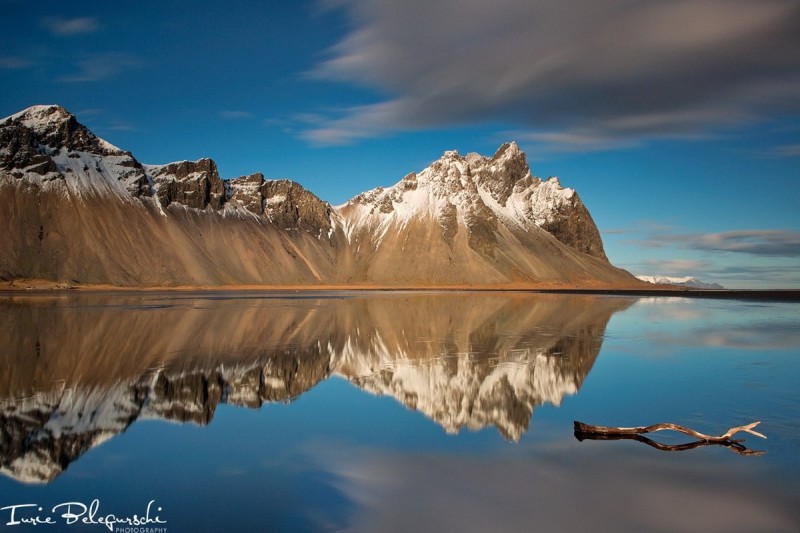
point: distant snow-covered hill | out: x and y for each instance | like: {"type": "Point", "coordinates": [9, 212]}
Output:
{"type": "Point", "coordinates": [681, 281]}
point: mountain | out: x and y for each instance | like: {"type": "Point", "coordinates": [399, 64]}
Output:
{"type": "Point", "coordinates": [474, 218]}
{"type": "Point", "coordinates": [81, 210]}
{"type": "Point", "coordinates": [681, 282]}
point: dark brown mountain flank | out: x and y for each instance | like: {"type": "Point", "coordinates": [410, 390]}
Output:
{"type": "Point", "coordinates": [80, 210]}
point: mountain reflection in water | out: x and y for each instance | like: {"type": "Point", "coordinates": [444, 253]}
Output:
{"type": "Point", "coordinates": [79, 369]}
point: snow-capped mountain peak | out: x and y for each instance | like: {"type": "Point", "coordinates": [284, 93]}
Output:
{"type": "Point", "coordinates": [46, 145]}
{"type": "Point", "coordinates": [55, 127]}
{"type": "Point", "coordinates": [477, 193]}
{"type": "Point", "coordinates": [40, 116]}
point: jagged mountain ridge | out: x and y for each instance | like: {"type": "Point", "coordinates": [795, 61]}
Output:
{"type": "Point", "coordinates": [480, 192]}
{"type": "Point", "coordinates": [86, 211]}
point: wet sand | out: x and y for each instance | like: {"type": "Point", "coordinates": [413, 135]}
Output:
{"type": "Point", "coordinates": [643, 290]}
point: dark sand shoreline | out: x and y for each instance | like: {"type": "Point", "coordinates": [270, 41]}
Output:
{"type": "Point", "coordinates": [774, 295]}
{"type": "Point", "coordinates": [41, 287]}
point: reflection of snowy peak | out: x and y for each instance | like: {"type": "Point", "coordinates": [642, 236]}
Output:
{"type": "Point", "coordinates": [461, 389]}
{"type": "Point", "coordinates": [45, 433]}
{"type": "Point", "coordinates": [473, 394]}
{"type": "Point", "coordinates": [83, 368]}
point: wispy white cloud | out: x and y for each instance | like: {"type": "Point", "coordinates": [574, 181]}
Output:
{"type": "Point", "coordinates": [750, 258]}
{"type": "Point", "coordinates": [779, 275]}
{"type": "Point", "coordinates": [626, 131]}
{"type": "Point", "coordinates": [754, 242]}
{"type": "Point", "coordinates": [102, 66]}
{"type": "Point", "coordinates": [233, 114]}
{"type": "Point", "coordinates": [357, 122]}
{"type": "Point", "coordinates": [14, 63]}
{"type": "Point", "coordinates": [580, 140]}
{"type": "Point", "coordinates": [573, 75]}
{"type": "Point", "coordinates": [676, 267]}
{"type": "Point", "coordinates": [104, 120]}
{"type": "Point", "coordinates": [89, 112]}
{"type": "Point", "coordinates": [64, 27]}
{"type": "Point", "coordinates": [786, 150]}
{"type": "Point", "coordinates": [641, 227]}
{"type": "Point", "coordinates": [120, 125]}
{"type": "Point", "coordinates": [730, 271]}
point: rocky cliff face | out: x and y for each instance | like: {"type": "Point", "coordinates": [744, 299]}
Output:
{"type": "Point", "coordinates": [525, 198]}
{"type": "Point", "coordinates": [195, 184]}
{"type": "Point", "coordinates": [569, 221]}
{"type": "Point", "coordinates": [86, 211]}
{"type": "Point", "coordinates": [283, 202]}
{"type": "Point", "coordinates": [246, 192]}
{"type": "Point", "coordinates": [290, 206]}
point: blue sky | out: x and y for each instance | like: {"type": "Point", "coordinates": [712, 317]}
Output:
{"type": "Point", "coordinates": [677, 121]}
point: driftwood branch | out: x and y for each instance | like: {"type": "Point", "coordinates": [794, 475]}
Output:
{"type": "Point", "coordinates": [591, 432]}
{"type": "Point", "coordinates": [605, 430]}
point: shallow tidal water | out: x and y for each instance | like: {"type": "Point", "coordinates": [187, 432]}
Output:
{"type": "Point", "coordinates": [393, 411]}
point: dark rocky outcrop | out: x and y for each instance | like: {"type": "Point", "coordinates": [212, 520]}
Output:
{"type": "Point", "coordinates": [246, 191]}
{"type": "Point", "coordinates": [285, 203]}
{"type": "Point", "coordinates": [19, 152]}
{"type": "Point", "coordinates": [507, 167]}
{"type": "Point", "coordinates": [572, 224]}
{"type": "Point", "coordinates": [448, 221]}
{"type": "Point", "coordinates": [481, 225]}
{"type": "Point", "coordinates": [194, 184]}
{"type": "Point", "coordinates": [291, 206]}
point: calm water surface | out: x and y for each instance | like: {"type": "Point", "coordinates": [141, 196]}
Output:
{"type": "Point", "coordinates": [393, 412]}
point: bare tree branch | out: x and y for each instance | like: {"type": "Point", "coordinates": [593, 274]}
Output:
{"type": "Point", "coordinates": [589, 431]}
